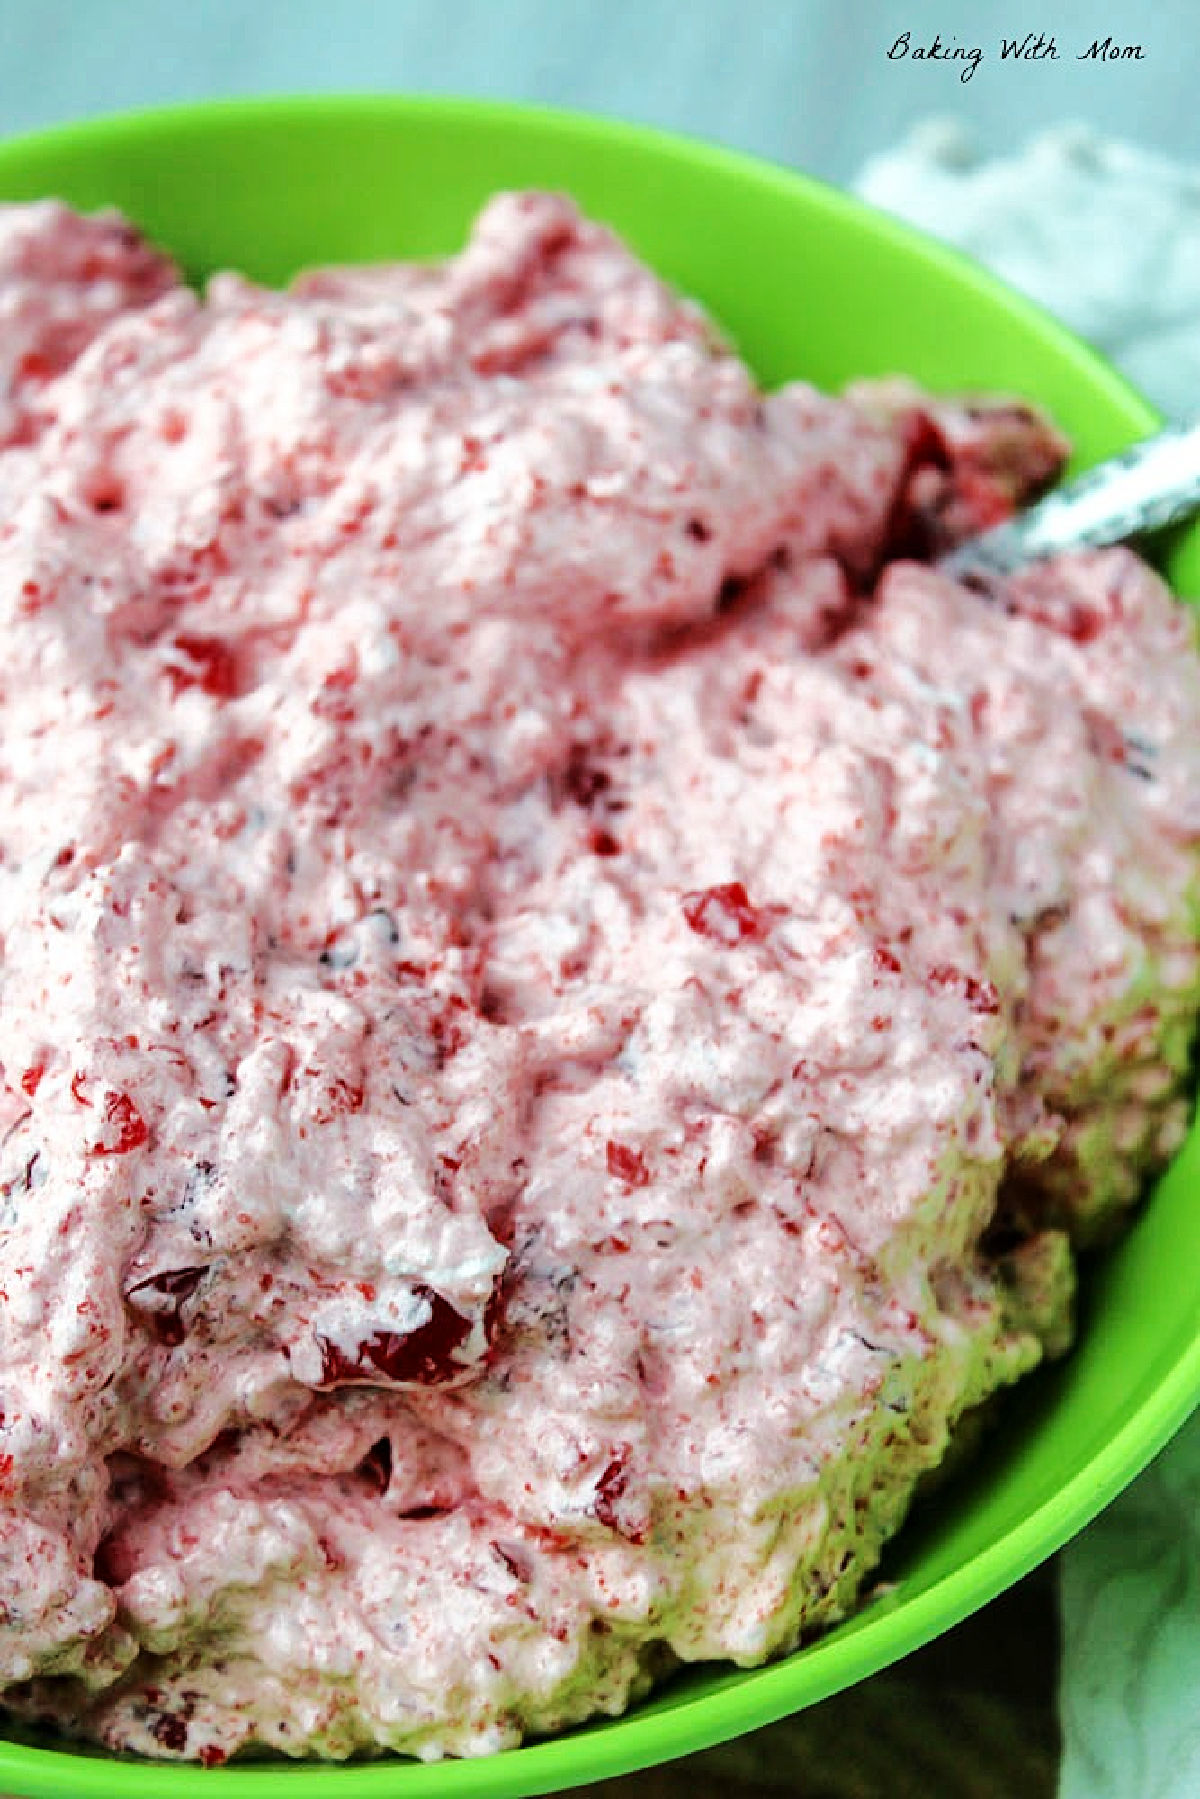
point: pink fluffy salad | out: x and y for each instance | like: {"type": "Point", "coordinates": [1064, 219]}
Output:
{"type": "Point", "coordinates": [566, 997]}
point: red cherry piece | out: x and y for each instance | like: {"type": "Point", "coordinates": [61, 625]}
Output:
{"type": "Point", "coordinates": [724, 913]}
{"type": "Point", "coordinates": [981, 995]}
{"type": "Point", "coordinates": [626, 1163]}
{"type": "Point", "coordinates": [424, 1357]}
{"type": "Point", "coordinates": [209, 663]}
{"type": "Point", "coordinates": [924, 444]}
{"type": "Point", "coordinates": [124, 1128]}
{"type": "Point", "coordinates": [610, 1490]}
{"type": "Point", "coordinates": [1067, 617]}
{"type": "Point", "coordinates": [170, 1731]}
{"type": "Point", "coordinates": [339, 1097]}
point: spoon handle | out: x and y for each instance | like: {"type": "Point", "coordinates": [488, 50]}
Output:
{"type": "Point", "coordinates": [1153, 483]}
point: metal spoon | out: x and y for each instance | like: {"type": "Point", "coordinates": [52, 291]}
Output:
{"type": "Point", "coordinates": [1155, 483]}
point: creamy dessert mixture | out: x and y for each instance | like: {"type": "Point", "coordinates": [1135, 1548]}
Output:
{"type": "Point", "coordinates": [565, 998]}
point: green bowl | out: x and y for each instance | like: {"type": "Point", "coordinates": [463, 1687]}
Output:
{"type": "Point", "coordinates": [809, 283]}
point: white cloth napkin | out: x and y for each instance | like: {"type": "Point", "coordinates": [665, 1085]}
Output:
{"type": "Point", "coordinates": [1108, 237]}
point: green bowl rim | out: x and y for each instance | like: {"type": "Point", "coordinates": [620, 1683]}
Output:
{"type": "Point", "coordinates": [644, 1739]}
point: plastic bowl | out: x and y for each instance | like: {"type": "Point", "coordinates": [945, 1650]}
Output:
{"type": "Point", "coordinates": [810, 283]}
